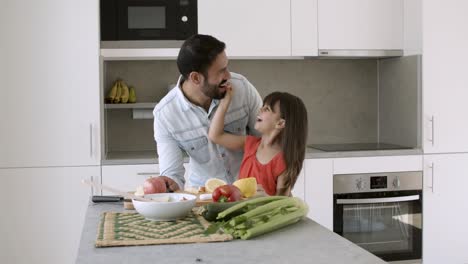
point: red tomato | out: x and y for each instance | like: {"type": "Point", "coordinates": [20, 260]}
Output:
{"type": "Point", "coordinates": [226, 193]}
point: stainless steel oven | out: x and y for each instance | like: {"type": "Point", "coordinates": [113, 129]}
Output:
{"type": "Point", "coordinates": [380, 212]}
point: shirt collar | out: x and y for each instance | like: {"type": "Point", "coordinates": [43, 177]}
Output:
{"type": "Point", "coordinates": [182, 99]}
{"type": "Point", "coordinates": [186, 104]}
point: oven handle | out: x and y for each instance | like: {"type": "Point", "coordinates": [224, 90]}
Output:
{"type": "Point", "coordinates": [378, 200]}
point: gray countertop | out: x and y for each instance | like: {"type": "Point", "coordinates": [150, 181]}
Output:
{"type": "Point", "coordinates": [304, 242]}
{"type": "Point", "coordinates": [149, 157]}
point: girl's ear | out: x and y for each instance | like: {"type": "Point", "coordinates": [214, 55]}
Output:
{"type": "Point", "coordinates": [281, 123]}
{"type": "Point", "coordinates": [196, 78]}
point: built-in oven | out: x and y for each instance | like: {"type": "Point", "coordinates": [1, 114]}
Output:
{"type": "Point", "coordinates": [380, 212]}
{"type": "Point", "coordinates": [138, 20]}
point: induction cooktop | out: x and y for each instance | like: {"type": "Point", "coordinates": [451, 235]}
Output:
{"type": "Point", "coordinates": [356, 146]}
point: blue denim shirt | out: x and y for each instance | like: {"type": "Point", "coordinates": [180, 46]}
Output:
{"type": "Point", "coordinates": [181, 126]}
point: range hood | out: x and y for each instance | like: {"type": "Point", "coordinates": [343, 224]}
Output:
{"type": "Point", "coordinates": [341, 53]}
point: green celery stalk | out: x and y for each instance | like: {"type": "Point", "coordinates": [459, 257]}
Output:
{"type": "Point", "coordinates": [275, 223]}
{"type": "Point", "coordinates": [249, 203]}
{"type": "Point", "coordinates": [269, 207]}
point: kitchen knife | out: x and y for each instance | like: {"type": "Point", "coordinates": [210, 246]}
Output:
{"type": "Point", "coordinates": [103, 199]}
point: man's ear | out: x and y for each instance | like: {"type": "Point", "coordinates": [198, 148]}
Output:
{"type": "Point", "coordinates": [196, 77]}
{"type": "Point", "coordinates": [281, 123]}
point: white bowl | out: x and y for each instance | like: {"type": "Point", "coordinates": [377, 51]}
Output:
{"type": "Point", "coordinates": [166, 207]}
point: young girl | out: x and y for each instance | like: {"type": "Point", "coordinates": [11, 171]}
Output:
{"type": "Point", "coordinates": [275, 159]}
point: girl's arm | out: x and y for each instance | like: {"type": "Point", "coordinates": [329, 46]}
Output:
{"type": "Point", "coordinates": [280, 186]}
{"type": "Point", "coordinates": [216, 132]}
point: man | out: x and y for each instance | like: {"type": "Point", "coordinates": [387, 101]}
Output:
{"type": "Point", "coordinates": [182, 117]}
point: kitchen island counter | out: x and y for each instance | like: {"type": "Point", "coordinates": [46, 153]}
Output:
{"type": "Point", "coordinates": [304, 242]}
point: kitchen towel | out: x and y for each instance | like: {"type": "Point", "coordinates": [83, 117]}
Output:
{"type": "Point", "coordinates": [132, 229]}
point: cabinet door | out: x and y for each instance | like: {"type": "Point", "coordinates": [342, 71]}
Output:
{"type": "Point", "coordinates": [50, 84]}
{"type": "Point", "coordinates": [43, 211]}
{"type": "Point", "coordinates": [248, 27]}
{"type": "Point", "coordinates": [319, 190]}
{"type": "Point", "coordinates": [304, 28]}
{"type": "Point", "coordinates": [299, 187]}
{"type": "Point", "coordinates": [360, 24]}
{"type": "Point", "coordinates": [445, 209]}
{"type": "Point", "coordinates": [127, 177]}
{"type": "Point", "coordinates": [445, 82]}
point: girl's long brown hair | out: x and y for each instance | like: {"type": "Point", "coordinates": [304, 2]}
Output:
{"type": "Point", "coordinates": [293, 137]}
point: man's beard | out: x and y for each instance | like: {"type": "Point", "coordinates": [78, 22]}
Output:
{"type": "Point", "coordinates": [214, 91]}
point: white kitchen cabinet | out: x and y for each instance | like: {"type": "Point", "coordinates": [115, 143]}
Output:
{"type": "Point", "coordinates": [304, 39]}
{"type": "Point", "coordinates": [43, 212]}
{"type": "Point", "coordinates": [444, 78]}
{"type": "Point", "coordinates": [445, 209]}
{"type": "Point", "coordinates": [377, 164]}
{"type": "Point", "coordinates": [319, 190]}
{"type": "Point", "coordinates": [299, 188]}
{"type": "Point", "coordinates": [249, 28]}
{"type": "Point", "coordinates": [129, 177]}
{"type": "Point", "coordinates": [360, 24]}
{"type": "Point", "coordinates": [50, 84]}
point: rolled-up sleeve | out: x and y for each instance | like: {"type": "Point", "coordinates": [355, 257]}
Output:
{"type": "Point", "coordinates": [254, 103]}
{"type": "Point", "coordinates": [171, 161]}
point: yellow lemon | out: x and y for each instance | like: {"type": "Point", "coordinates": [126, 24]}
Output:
{"type": "Point", "coordinates": [212, 184]}
{"type": "Point", "coordinates": [247, 186]}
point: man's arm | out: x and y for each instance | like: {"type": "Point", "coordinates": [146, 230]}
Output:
{"type": "Point", "coordinates": [171, 161]}
{"type": "Point", "coordinates": [254, 103]}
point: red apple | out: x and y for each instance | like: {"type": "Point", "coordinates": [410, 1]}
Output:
{"type": "Point", "coordinates": [154, 185]}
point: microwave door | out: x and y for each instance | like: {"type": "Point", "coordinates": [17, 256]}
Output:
{"type": "Point", "coordinates": [146, 20]}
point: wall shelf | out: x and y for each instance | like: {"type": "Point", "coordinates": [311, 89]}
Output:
{"type": "Point", "coordinates": [130, 106]}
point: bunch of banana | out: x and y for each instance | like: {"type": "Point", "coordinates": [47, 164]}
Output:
{"type": "Point", "coordinates": [119, 93]}
{"type": "Point", "coordinates": [132, 95]}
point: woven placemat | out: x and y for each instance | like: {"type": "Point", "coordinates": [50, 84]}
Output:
{"type": "Point", "coordinates": [132, 229]}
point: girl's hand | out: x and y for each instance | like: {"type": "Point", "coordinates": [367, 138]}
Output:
{"type": "Point", "coordinates": [228, 96]}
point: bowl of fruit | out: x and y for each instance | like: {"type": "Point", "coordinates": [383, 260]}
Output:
{"type": "Point", "coordinates": [157, 205]}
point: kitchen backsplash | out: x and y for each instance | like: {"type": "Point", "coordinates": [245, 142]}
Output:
{"type": "Point", "coordinates": [341, 96]}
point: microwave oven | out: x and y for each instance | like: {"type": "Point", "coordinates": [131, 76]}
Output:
{"type": "Point", "coordinates": [147, 20]}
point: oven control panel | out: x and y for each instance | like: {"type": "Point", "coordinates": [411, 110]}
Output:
{"type": "Point", "coordinates": [375, 182]}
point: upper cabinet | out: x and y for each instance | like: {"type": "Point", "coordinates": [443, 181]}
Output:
{"type": "Point", "coordinates": [50, 80]}
{"type": "Point", "coordinates": [444, 78]}
{"type": "Point", "coordinates": [360, 24]}
{"type": "Point", "coordinates": [304, 28]}
{"type": "Point", "coordinates": [249, 28]}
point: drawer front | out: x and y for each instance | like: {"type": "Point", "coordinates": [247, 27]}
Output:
{"type": "Point", "coordinates": [127, 177]}
{"type": "Point", "coordinates": [377, 164]}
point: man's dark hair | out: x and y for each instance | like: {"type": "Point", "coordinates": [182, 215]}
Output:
{"type": "Point", "coordinates": [197, 54]}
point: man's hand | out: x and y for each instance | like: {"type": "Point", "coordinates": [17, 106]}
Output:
{"type": "Point", "coordinates": [171, 185]}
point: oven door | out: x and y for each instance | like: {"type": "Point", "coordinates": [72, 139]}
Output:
{"type": "Point", "coordinates": [387, 224]}
{"type": "Point", "coordinates": [156, 19]}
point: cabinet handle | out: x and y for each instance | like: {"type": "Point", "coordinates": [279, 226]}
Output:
{"type": "Point", "coordinates": [148, 173]}
{"type": "Point", "coordinates": [91, 187]}
{"type": "Point", "coordinates": [432, 177]}
{"type": "Point", "coordinates": [91, 150]}
{"type": "Point", "coordinates": [432, 130]}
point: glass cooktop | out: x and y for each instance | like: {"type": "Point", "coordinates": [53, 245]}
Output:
{"type": "Point", "coordinates": [356, 147]}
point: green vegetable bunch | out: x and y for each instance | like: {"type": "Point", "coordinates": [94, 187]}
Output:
{"type": "Point", "coordinates": [258, 216]}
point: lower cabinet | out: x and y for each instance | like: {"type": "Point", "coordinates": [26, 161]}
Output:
{"type": "Point", "coordinates": [445, 209]}
{"type": "Point", "coordinates": [319, 190]}
{"type": "Point", "coordinates": [43, 211]}
{"type": "Point", "coordinates": [299, 187]}
{"type": "Point", "coordinates": [129, 177]}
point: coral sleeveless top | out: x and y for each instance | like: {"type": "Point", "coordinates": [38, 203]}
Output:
{"type": "Point", "coordinates": [266, 174]}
